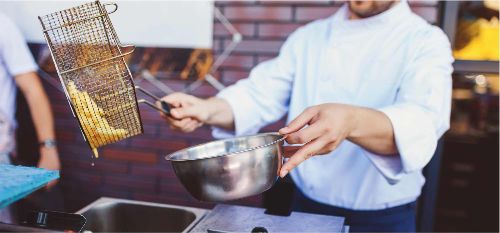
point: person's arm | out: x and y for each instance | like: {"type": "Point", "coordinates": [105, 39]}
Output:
{"type": "Point", "coordinates": [330, 124]}
{"type": "Point", "coordinates": [20, 65]}
{"type": "Point", "coordinates": [38, 102]}
{"type": "Point", "coordinates": [399, 138]}
{"type": "Point", "coordinates": [190, 112]}
{"type": "Point", "coordinates": [251, 103]}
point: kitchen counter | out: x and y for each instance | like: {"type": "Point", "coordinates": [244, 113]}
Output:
{"type": "Point", "coordinates": [120, 215]}
{"type": "Point", "coordinates": [127, 215]}
{"type": "Point", "coordinates": [232, 218]}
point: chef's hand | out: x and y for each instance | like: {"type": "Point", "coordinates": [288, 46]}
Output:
{"type": "Point", "coordinates": [187, 112]}
{"type": "Point", "coordinates": [49, 159]}
{"type": "Point", "coordinates": [327, 126]}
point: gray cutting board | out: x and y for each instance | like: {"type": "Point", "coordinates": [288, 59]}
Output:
{"type": "Point", "coordinates": [230, 218]}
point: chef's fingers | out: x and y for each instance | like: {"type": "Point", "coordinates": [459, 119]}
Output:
{"type": "Point", "coordinates": [185, 112]}
{"type": "Point", "coordinates": [305, 135]}
{"type": "Point", "coordinates": [191, 126]}
{"type": "Point", "coordinates": [300, 121]}
{"type": "Point", "coordinates": [179, 124]}
{"type": "Point", "coordinates": [301, 155]}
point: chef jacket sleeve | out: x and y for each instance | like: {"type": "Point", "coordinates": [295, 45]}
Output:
{"type": "Point", "coordinates": [14, 50]}
{"type": "Point", "coordinates": [264, 96]}
{"type": "Point", "coordinates": [421, 112]}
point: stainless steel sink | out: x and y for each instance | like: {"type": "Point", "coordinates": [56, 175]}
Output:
{"type": "Point", "coordinates": [119, 215]}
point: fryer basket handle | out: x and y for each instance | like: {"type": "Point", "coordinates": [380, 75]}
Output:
{"type": "Point", "coordinates": [110, 4]}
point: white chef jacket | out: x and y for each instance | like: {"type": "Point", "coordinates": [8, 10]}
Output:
{"type": "Point", "coordinates": [394, 62]}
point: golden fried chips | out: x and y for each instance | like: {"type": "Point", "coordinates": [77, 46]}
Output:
{"type": "Point", "coordinates": [92, 119]}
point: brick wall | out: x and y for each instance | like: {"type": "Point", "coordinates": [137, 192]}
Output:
{"type": "Point", "coordinates": [135, 168]}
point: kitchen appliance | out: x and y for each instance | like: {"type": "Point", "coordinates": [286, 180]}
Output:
{"type": "Point", "coordinates": [231, 168]}
{"type": "Point", "coordinates": [89, 59]}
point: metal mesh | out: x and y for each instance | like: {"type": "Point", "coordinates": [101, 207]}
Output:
{"type": "Point", "coordinates": [90, 64]}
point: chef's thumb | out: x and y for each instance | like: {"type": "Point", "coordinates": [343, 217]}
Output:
{"type": "Point", "coordinates": [184, 112]}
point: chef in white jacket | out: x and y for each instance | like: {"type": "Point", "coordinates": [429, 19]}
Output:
{"type": "Point", "coordinates": [367, 91]}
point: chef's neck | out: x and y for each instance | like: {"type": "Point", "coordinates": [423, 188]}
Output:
{"type": "Point", "coordinates": [366, 9]}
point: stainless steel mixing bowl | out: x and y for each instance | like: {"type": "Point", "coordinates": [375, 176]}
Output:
{"type": "Point", "coordinates": [229, 169]}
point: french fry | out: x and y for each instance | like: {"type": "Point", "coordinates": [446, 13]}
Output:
{"type": "Point", "coordinates": [92, 118]}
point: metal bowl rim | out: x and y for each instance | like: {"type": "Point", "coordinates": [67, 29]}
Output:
{"type": "Point", "coordinates": [169, 156]}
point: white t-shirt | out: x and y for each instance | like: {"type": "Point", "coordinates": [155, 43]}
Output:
{"type": "Point", "coordinates": [394, 62]}
{"type": "Point", "coordinates": [15, 59]}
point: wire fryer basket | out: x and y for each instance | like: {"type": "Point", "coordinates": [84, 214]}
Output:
{"type": "Point", "coordinates": [97, 82]}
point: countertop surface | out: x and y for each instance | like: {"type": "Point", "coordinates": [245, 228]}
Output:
{"type": "Point", "coordinates": [229, 218]}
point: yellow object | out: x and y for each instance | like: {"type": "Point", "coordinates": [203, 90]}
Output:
{"type": "Point", "coordinates": [92, 120]}
{"type": "Point", "coordinates": [479, 39]}
{"type": "Point", "coordinates": [492, 4]}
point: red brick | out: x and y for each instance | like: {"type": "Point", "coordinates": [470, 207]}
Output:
{"type": "Point", "coordinates": [174, 83]}
{"type": "Point", "coordinates": [128, 155]}
{"type": "Point", "coordinates": [216, 46]}
{"type": "Point", "coordinates": [151, 130]}
{"type": "Point", "coordinates": [131, 184]}
{"type": "Point", "coordinates": [75, 150]}
{"type": "Point", "coordinates": [81, 176]}
{"type": "Point", "coordinates": [174, 188]}
{"type": "Point", "coordinates": [238, 61]}
{"type": "Point", "coordinates": [263, 58]}
{"type": "Point", "coordinates": [259, 46]}
{"type": "Point", "coordinates": [55, 91]}
{"type": "Point", "coordinates": [428, 13]}
{"type": "Point", "coordinates": [258, 13]}
{"type": "Point", "coordinates": [62, 109]}
{"type": "Point", "coordinates": [108, 166]}
{"type": "Point", "coordinates": [150, 116]}
{"type": "Point", "coordinates": [112, 191]}
{"type": "Point", "coordinates": [231, 76]}
{"type": "Point", "coordinates": [100, 165]}
{"type": "Point", "coordinates": [246, 29]}
{"type": "Point", "coordinates": [306, 14]}
{"type": "Point", "coordinates": [66, 123]}
{"type": "Point", "coordinates": [277, 30]}
{"type": "Point", "coordinates": [205, 90]}
{"type": "Point", "coordinates": [65, 135]}
{"type": "Point", "coordinates": [164, 171]}
{"type": "Point", "coordinates": [203, 134]}
{"type": "Point", "coordinates": [165, 145]}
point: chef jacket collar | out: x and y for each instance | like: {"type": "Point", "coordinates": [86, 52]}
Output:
{"type": "Point", "coordinates": [395, 14]}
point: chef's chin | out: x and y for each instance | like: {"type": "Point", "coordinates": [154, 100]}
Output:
{"type": "Point", "coordinates": [368, 8]}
